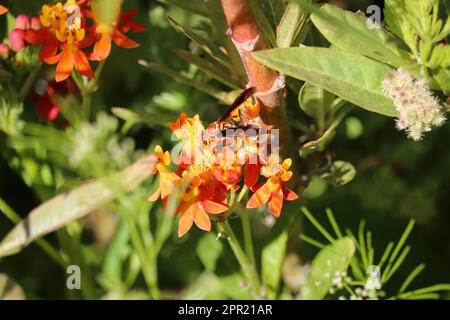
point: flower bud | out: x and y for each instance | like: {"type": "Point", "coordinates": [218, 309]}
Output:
{"type": "Point", "coordinates": [23, 22]}
{"type": "Point", "coordinates": [35, 23]}
{"type": "Point", "coordinates": [4, 51]}
{"type": "Point", "coordinates": [16, 40]}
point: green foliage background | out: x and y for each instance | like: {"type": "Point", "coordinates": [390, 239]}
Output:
{"type": "Point", "coordinates": [397, 179]}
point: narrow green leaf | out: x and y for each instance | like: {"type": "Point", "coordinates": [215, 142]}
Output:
{"type": "Point", "coordinates": [426, 290]}
{"type": "Point", "coordinates": [333, 223]}
{"type": "Point", "coordinates": [387, 276]}
{"type": "Point", "coordinates": [355, 78]}
{"type": "Point", "coordinates": [193, 6]}
{"type": "Point", "coordinates": [134, 116]}
{"type": "Point", "coordinates": [67, 207]}
{"type": "Point", "coordinates": [272, 262]}
{"type": "Point", "coordinates": [386, 254]}
{"type": "Point", "coordinates": [206, 45]}
{"type": "Point", "coordinates": [417, 270]}
{"type": "Point", "coordinates": [203, 87]}
{"type": "Point", "coordinates": [264, 25]}
{"type": "Point", "coordinates": [398, 247]}
{"type": "Point", "coordinates": [333, 258]}
{"type": "Point", "coordinates": [316, 224]}
{"type": "Point", "coordinates": [311, 241]}
{"type": "Point", "coordinates": [212, 69]}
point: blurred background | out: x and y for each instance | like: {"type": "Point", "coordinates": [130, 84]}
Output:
{"type": "Point", "coordinates": [397, 179]}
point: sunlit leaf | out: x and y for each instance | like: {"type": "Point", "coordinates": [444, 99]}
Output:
{"type": "Point", "coordinates": [272, 262]}
{"type": "Point", "coordinates": [67, 207]}
{"type": "Point", "coordinates": [352, 77]}
{"type": "Point", "coordinates": [331, 259]}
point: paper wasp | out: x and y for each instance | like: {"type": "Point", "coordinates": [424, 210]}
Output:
{"type": "Point", "coordinates": [239, 115]}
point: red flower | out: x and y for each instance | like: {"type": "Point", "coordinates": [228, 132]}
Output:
{"type": "Point", "coordinates": [45, 94]}
{"type": "Point", "coordinates": [106, 34]}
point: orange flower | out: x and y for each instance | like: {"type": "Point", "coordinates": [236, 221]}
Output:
{"type": "Point", "coordinates": [227, 168]}
{"type": "Point", "coordinates": [168, 180]}
{"type": "Point", "coordinates": [273, 190]}
{"type": "Point", "coordinates": [106, 34]}
{"type": "Point", "coordinates": [203, 196]}
{"type": "Point", "coordinates": [63, 27]}
{"type": "Point", "coordinates": [3, 10]}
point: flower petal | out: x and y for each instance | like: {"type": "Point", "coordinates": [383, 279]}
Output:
{"type": "Point", "coordinates": [261, 196]}
{"type": "Point", "coordinates": [251, 174]}
{"type": "Point", "coordinates": [102, 47]}
{"type": "Point", "coordinates": [155, 196]}
{"type": "Point", "coordinates": [212, 207]}
{"type": "Point", "coordinates": [276, 202]}
{"type": "Point", "coordinates": [82, 64]}
{"type": "Point", "coordinates": [201, 218]}
{"type": "Point", "coordinates": [289, 195]}
{"type": "Point", "coordinates": [185, 223]}
{"type": "Point", "coordinates": [65, 66]}
{"type": "Point", "coordinates": [48, 51]}
{"type": "Point", "coordinates": [123, 41]}
{"type": "Point", "coordinates": [36, 36]}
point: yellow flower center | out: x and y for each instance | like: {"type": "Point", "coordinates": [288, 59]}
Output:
{"type": "Point", "coordinates": [64, 21]}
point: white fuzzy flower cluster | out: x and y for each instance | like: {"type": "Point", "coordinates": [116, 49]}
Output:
{"type": "Point", "coordinates": [418, 109]}
{"type": "Point", "coordinates": [99, 142]}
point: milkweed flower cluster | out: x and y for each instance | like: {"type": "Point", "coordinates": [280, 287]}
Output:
{"type": "Point", "coordinates": [418, 109]}
{"type": "Point", "coordinates": [71, 30]}
{"type": "Point", "coordinates": [210, 168]}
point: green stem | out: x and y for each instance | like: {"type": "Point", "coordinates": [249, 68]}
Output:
{"type": "Point", "coordinates": [43, 244]}
{"type": "Point", "coordinates": [247, 231]}
{"type": "Point", "coordinates": [150, 277]}
{"type": "Point", "coordinates": [28, 84]}
{"type": "Point", "coordinates": [247, 266]}
{"type": "Point", "coordinates": [86, 105]}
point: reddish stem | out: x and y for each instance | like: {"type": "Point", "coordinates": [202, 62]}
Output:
{"type": "Point", "coordinates": [246, 36]}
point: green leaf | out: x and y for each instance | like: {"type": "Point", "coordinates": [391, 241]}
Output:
{"type": "Point", "coordinates": [136, 116]}
{"type": "Point", "coordinates": [206, 45]}
{"type": "Point", "coordinates": [442, 78]}
{"type": "Point", "coordinates": [315, 101]}
{"type": "Point", "coordinates": [264, 25]}
{"type": "Point", "coordinates": [352, 77]}
{"type": "Point", "coordinates": [212, 69]}
{"type": "Point", "coordinates": [340, 173]}
{"type": "Point", "coordinates": [209, 250]}
{"type": "Point", "coordinates": [272, 262]}
{"type": "Point", "coordinates": [349, 31]}
{"type": "Point", "coordinates": [200, 86]}
{"type": "Point", "coordinates": [334, 257]}
{"type": "Point", "coordinates": [193, 6]}
{"type": "Point", "coordinates": [232, 285]}
{"type": "Point", "coordinates": [67, 207]}
{"type": "Point", "coordinates": [291, 24]}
